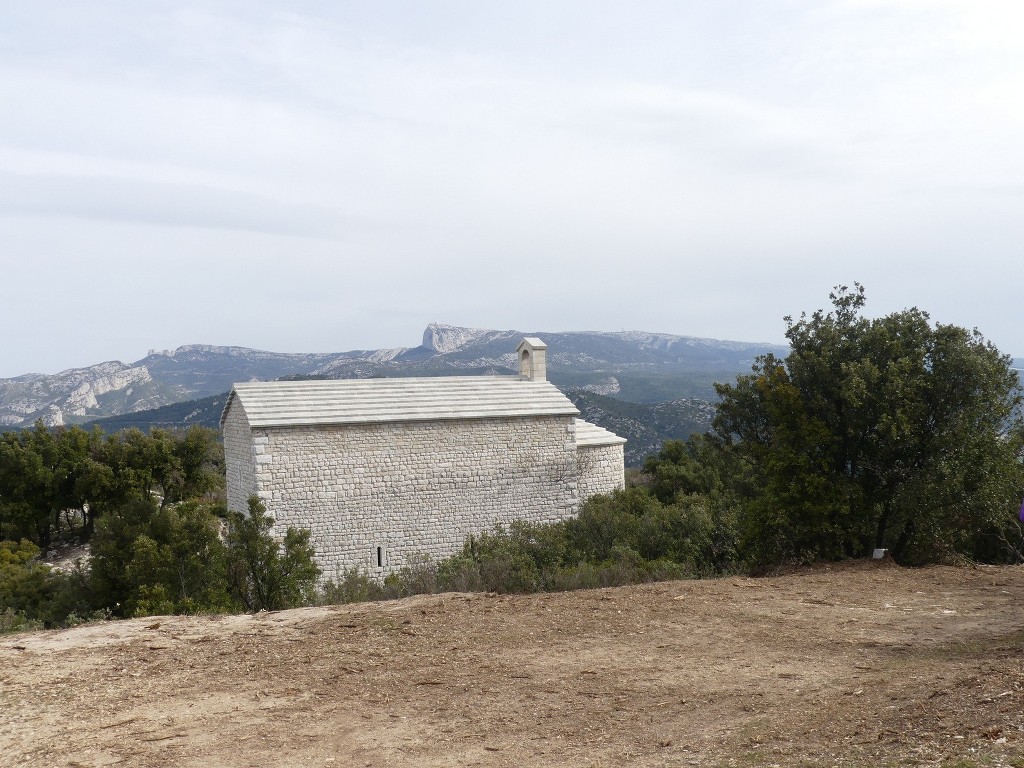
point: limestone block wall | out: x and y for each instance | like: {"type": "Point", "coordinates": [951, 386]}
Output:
{"type": "Point", "coordinates": [373, 495]}
{"type": "Point", "coordinates": [601, 469]}
{"type": "Point", "coordinates": [239, 458]}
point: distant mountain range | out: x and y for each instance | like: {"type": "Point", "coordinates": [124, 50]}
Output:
{"type": "Point", "coordinates": [633, 366]}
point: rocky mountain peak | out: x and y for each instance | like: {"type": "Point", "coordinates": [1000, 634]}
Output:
{"type": "Point", "coordinates": [442, 338]}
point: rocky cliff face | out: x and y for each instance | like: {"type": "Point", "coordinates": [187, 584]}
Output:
{"type": "Point", "coordinates": [443, 339]}
{"type": "Point", "coordinates": [85, 396]}
{"type": "Point", "coordinates": [76, 394]}
{"type": "Point", "coordinates": [632, 365]}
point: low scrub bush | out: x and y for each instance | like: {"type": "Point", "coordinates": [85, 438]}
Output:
{"type": "Point", "coordinates": [351, 585]}
{"type": "Point", "coordinates": [628, 537]}
{"type": "Point", "coordinates": [34, 595]}
{"type": "Point", "coordinates": [16, 621]}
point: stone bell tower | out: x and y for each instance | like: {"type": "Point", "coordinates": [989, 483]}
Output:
{"type": "Point", "coordinates": [531, 352]}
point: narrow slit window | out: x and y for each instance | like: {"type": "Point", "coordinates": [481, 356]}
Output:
{"type": "Point", "coordinates": [380, 557]}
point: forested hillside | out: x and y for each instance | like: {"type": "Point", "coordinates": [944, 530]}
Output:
{"type": "Point", "coordinates": [646, 426]}
{"type": "Point", "coordinates": [204, 412]}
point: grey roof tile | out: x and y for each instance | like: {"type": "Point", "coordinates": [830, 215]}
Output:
{"type": "Point", "coordinates": [359, 401]}
{"type": "Point", "coordinates": [588, 434]}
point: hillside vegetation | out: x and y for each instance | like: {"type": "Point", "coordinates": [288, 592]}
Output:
{"type": "Point", "coordinates": [203, 412]}
{"type": "Point", "coordinates": [646, 426]}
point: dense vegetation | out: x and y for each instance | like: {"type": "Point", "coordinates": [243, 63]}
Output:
{"type": "Point", "coordinates": [875, 433]}
{"type": "Point", "coordinates": [151, 507]}
{"type": "Point", "coordinates": [889, 433]}
{"type": "Point", "coordinates": [204, 412]}
{"type": "Point", "coordinates": [57, 483]}
{"type": "Point", "coordinates": [645, 426]}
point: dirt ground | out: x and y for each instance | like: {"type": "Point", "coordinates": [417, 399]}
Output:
{"type": "Point", "coordinates": [864, 664]}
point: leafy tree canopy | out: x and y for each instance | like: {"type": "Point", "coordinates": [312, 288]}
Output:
{"type": "Point", "coordinates": [890, 432]}
{"type": "Point", "coordinates": [56, 483]}
{"type": "Point", "coordinates": [160, 560]}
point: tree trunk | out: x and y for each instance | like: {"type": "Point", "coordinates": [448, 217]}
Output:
{"type": "Point", "coordinates": [903, 540]}
{"type": "Point", "coordinates": [883, 523]}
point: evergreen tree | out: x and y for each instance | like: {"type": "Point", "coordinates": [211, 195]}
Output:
{"type": "Point", "coordinates": [889, 432]}
{"type": "Point", "coordinates": [265, 574]}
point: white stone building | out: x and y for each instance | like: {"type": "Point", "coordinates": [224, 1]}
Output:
{"type": "Point", "coordinates": [380, 470]}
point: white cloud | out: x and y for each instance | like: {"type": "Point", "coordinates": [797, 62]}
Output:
{"type": "Point", "coordinates": [683, 167]}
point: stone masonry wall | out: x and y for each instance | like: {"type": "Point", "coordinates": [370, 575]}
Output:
{"type": "Point", "coordinates": [393, 491]}
{"type": "Point", "coordinates": [239, 460]}
{"type": "Point", "coordinates": [601, 469]}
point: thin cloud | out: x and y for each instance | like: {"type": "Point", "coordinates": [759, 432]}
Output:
{"type": "Point", "coordinates": [163, 204]}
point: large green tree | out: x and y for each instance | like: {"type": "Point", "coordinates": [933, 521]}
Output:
{"type": "Point", "coordinates": [875, 432]}
{"type": "Point", "coordinates": [41, 481]}
{"type": "Point", "coordinates": [152, 560]}
{"type": "Point", "coordinates": [57, 482]}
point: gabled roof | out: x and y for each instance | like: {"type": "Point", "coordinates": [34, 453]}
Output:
{"type": "Point", "coordinates": [588, 434]}
{"type": "Point", "coordinates": [532, 341]}
{"type": "Point", "coordinates": [364, 401]}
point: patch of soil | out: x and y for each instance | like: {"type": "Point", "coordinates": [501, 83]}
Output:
{"type": "Point", "coordinates": [863, 664]}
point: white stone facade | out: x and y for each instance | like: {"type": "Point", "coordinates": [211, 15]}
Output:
{"type": "Point", "coordinates": [601, 469]}
{"type": "Point", "coordinates": [377, 482]}
{"type": "Point", "coordinates": [239, 459]}
{"type": "Point", "coordinates": [374, 495]}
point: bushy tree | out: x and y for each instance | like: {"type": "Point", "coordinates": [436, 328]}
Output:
{"type": "Point", "coordinates": [57, 482]}
{"type": "Point", "coordinates": [38, 472]}
{"type": "Point", "coordinates": [23, 580]}
{"type": "Point", "coordinates": [33, 594]}
{"type": "Point", "coordinates": [266, 574]}
{"type": "Point", "coordinates": [149, 560]}
{"type": "Point", "coordinates": [694, 466]}
{"type": "Point", "coordinates": [681, 532]}
{"type": "Point", "coordinates": [889, 432]}
{"type": "Point", "coordinates": [113, 549]}
{"type": "Point", "coordinates": [180, 564]}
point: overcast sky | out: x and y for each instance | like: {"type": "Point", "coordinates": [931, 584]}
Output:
{"type": "Point", "coordinates": [337, 175]}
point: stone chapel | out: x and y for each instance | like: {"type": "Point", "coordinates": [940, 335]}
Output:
{"type": "Point", "coordinates": [381, 470]}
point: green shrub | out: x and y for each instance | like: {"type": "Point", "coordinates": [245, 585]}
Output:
{"type": "Point", "coordinates": [23, 580]}
{"type": "Point", "coordinates": [70, 599]}
{"type": "Point", "coordinates": [509, 560]}
{"type": "Point", "coordinates": [688, 532]}
{"type": "Point", "coordinates": [459, 574]}
{"type": "Point", "coordinates": [266, 575]}
{"type": "Point", "coordinates": [352, 585]}
{"type": "Point", "coordinates": [151, 561]}
{"type": "Point", "coordinates": [628, 537]}
{"type": "Point", "coordinates": [34, 595]}
{"type": "Point", "coordinates": [417, 577]}
{"type": "Point", "coordinates": [16, 621]}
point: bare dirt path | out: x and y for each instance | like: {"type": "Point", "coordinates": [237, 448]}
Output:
{"type": "Point", "coordinates": [863, 664]}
